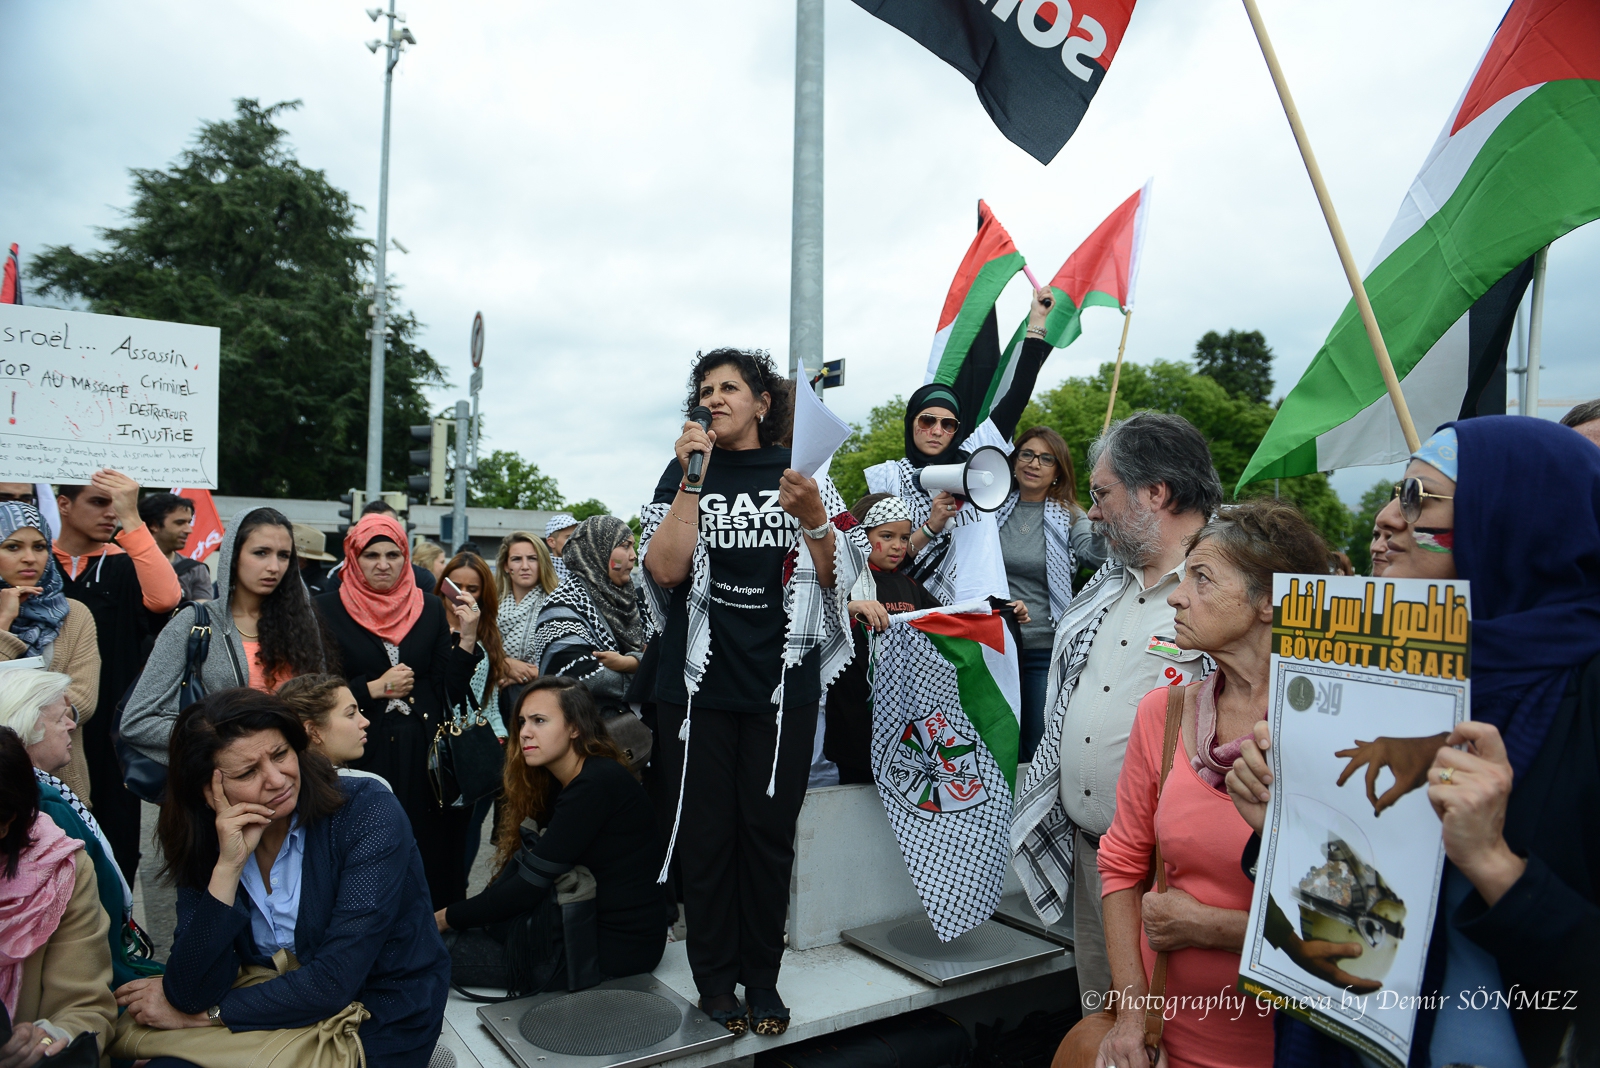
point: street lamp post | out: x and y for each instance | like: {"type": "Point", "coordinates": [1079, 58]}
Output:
{"type": "Point", "coordinates": [391, 44]}
{"type": "Point", "coordinates": [805, 257]}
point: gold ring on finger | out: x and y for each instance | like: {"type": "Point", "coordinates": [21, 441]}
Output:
{"type": "Point", "coordinates": [1446, 775]}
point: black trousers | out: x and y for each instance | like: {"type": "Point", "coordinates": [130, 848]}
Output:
{"type": "Point", "coordinates": [115, 808]}
{"type": "Point", "coordinates": [736, 844]}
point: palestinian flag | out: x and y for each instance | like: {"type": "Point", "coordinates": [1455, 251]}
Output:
{"type": "Point", "coordinates": [1035, 63]}
{"type": "Point", "coordinates": [1103, 272]}
{"type": "Point", "coordinates": [1516, 166]}
{"type": "Point", "coordinates": [11, 281]}
{"type": "Point", "coordinates": [966, 347]}
{"type": "Point", "coordinates": [945, 723]}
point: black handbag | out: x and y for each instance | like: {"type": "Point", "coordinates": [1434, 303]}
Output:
{"type": "Point", "coordinates": [466, 762]}
{"type": "Point", "coordinates": [145, 778]}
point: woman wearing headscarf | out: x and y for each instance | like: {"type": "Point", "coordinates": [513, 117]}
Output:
{"type": "Point", "coordinates": [407, 670]}
{"type": "Point", "coordinates": [1519, 911]}
{"type": "Point", "coordinates": [38, 619]}
{"type": "Point", "coordinates": [589, 628]}
{"type": "Point", "coordinates": [263, 630]}
{"type": "Point", "coordinates": [955, 549]}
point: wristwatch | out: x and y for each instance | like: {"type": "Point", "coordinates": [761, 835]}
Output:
{"type": "Point", "coordinates": [214, 1015]}
{"type": "Point", "coordinates": [818, 533]}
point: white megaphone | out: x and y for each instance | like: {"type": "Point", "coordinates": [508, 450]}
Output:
{"type": "Point", "coordinates": [985, 479]}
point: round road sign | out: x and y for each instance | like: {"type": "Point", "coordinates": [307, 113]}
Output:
{"type": "Point", "coordinates": [477, 340]}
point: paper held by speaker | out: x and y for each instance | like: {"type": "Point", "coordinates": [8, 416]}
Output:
{"type": "Point", "coordinates": [985, 479]}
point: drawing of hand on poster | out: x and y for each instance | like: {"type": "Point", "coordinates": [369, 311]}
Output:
{"type": "Point", "coordinates": [81, 392]}
{"type": "Point", "coordinates": [1368, 679]}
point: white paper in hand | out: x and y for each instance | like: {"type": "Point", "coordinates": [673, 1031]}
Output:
{"type": "Point", "coordinates": [818, 433]}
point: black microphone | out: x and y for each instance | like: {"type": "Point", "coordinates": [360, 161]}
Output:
{"type": "Point", "coordinates": [697, 463]}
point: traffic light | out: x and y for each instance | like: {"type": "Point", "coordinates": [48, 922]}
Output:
{"type": "Point", "coordinates": [353, 501]}
{"type": "Point", "coordinates": [402, 508]}
{"type": "Point", "coordinates": [428, 487]}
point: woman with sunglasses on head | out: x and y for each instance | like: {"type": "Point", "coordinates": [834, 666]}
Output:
{"type": "Point", "coordinates": [263, 630]}
{"type": "Point", "coordinates": [747, 570]}
{"type": "Point", "coordinates": [1045, 537]}
{"type": "Point", "coordinates": [38, 619]}
{"type": "Point", "coordinates": [952, 564]}
{"type": "Point", "coordinates": [1515, 788]}
{"type": "Point", "coordinates": [409, 659]}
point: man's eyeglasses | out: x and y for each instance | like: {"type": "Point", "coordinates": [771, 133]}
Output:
{"type": "Point", "coordinates": [22, 498]}
{"type": "Point", "coordinates": [928, 422]}
{"type": "Point", "coordinates": [1410, 494]}
{"type": "Point", "coordinates": [1044, 459]}
{"type": "Point", "coordinates": [1097, 494]}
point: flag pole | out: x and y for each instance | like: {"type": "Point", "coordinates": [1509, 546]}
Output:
{"type": "Point", "coordinates": [1116, 375]}
{"type": "Point", "coordinates": [1357, 288]}
{"type": "Point", "coordinates": [1535, 333]}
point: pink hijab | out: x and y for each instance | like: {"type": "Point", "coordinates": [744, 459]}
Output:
{"type": "Point", "coordinates": [387, 613]}
{"type": "Point", "coordinates": [33, 902]}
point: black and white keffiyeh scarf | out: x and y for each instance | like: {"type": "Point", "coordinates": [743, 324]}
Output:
{"type": "Point", "coordinates": [1060, 562]}
{"type": "Point", "coordinates": [1041, 830]}
{"type": "Point", "coordinates": [75, 803]}
{"type": "Point", "coordinates": [517, 620]}
{"type": "Point", "coordinates": [570, 620]}
{"type": "Point", "coordinates": [817, 618]}
{"type": "Point", "coordinates": [588, 561]}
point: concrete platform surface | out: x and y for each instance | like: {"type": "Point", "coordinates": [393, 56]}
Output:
{"type": "Point", "coordinates": [828, 989]}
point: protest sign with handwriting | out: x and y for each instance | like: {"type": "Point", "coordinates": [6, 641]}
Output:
{"type": "Point", "coordinates": [1368, 678]}
{"type": "Point", "coordinates": [79, 392]}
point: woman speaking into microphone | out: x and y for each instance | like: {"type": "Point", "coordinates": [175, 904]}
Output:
{"type": "Point", "coordinates": [722, 558]}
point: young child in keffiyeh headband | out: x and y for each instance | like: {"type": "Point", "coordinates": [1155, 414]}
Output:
{"type": "Point", "coordinates": [881, 590]}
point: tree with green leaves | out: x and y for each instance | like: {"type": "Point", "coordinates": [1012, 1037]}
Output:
{"type": "Point", "coordinates": [883, 439]}
{"type": "Point", "coordinates": [584, 509]}
{"type": "Point", "coordinates": [238, 234]}
{"type": "Point", "coordinates": [505, 480]}
{"type": "Point", "coordinates": [1238, 361]}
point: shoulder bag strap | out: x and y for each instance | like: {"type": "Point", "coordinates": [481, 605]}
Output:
{"type": "Point", "coordinates": [1154, 1014]}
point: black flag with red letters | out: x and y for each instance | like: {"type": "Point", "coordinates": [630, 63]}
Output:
{"type": "Point", "coordinates": [1035, 63]}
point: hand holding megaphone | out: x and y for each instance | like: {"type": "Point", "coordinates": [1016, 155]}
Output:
{"type": "Point", "coordinates": [985, 479]}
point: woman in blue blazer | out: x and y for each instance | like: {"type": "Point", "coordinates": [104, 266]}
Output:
{"type": "Point", "coordinates": [270, 850]}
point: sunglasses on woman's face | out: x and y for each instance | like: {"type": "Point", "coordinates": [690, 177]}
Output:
{"type": "Point", "coordinates": [1410, 494]}
{"type": "Point", "coordinates": [928, 422]}
{"type": "Point", "coordinates": [1028, 456]}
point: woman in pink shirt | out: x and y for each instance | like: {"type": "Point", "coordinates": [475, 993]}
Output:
{"type": "Point", "coordinates": [1224, 607]}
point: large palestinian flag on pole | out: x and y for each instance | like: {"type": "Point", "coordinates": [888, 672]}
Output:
{"type": "Point", "coordinates": [966, 347]}
{"type": "Point", "coordinates": [1516, 166]}
{"type": "Point", "coordinates": [1036, 64]}
{"type": "Point", "coordinates": [945, 726]}
{"type": "Point", "coordinates": [1103, 272]}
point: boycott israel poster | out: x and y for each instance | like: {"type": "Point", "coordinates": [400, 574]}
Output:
{"type": "Point", "coordinates": [79, 392]}
{"type": "Point", "coordinates": [1369, 676]}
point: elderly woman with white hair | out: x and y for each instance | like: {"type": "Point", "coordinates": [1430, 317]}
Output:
{"type": "Point", "coordinates": [37, 706]}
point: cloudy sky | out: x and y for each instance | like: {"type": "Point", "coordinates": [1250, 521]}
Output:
{"type": "Point", "coordinates": [609, 183]}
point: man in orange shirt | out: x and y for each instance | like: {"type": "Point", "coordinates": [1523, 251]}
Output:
{"type": "Point", "coordinates": [130, 588]}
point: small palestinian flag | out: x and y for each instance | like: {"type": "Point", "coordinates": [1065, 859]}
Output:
{"type": "Point", "coordinates": [966, 347]}
{"type": "Point", "coordinates": [1036, 64]}
{"type": "Point", "coordinates": [11, 281]}
{"type": "Point", "coordinates": [1516, 166]}
{"type": "Point", "coordinates": [1103, 272]}
{"type": "Point", "coordinates": [945, 725]}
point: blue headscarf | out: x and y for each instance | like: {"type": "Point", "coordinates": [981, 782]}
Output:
{"type": "Point", "coordinates": [40, 618]}
{"type": "Point", "coordinates": [1527, 536]}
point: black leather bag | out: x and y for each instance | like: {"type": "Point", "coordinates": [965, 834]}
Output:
{"type": "Point", "coordinates": [466, 761]}
{"type": "Point", "coordinates": [146, 779]}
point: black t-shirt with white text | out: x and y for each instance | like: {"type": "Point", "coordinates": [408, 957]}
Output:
{"type": "Point", "coordinates": [747, 536]}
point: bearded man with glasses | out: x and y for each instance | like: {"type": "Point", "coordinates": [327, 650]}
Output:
{"type": "Point", "coordinates": [1152, 485]}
